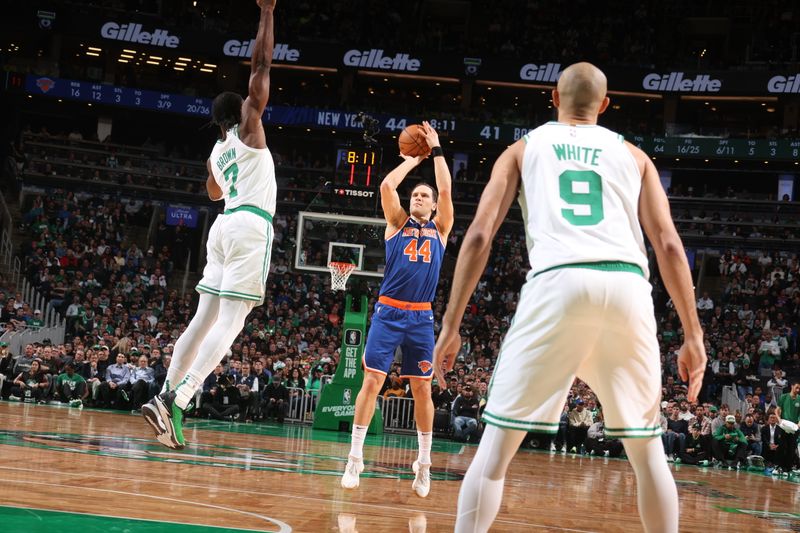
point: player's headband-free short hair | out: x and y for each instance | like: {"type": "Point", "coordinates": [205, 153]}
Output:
{"type": "Point", "coordinates": [226, 109]}
{"type": "Point", "coordinates": [434, 192]}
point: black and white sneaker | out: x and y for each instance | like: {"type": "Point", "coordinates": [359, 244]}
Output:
{"type": "Point", "coordinates": [166, 419]}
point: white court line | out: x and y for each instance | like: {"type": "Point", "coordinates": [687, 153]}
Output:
{"type": "Point", "coordinates": [293, 496]}
{"type": "Point", "coordinates": [32, 511]}
{"type": "Point", "coordinates": [284, 527]}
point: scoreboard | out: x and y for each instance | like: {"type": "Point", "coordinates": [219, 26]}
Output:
{"type": "Point", "coordinates": [714, 148]}
{"type": "Point", "coordinates": [100, 93]}
{"type": "Point", "coordinates": [358, 166]}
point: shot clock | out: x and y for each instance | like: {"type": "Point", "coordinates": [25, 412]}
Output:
{"type": "Point", "coordinates": [358, 166]}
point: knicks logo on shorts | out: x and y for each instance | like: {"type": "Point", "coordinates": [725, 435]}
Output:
{"type": "Point", "coordinates": [424, 366]}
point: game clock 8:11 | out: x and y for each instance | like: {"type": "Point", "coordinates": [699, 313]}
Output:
{"type": "Point", "coordinates": [358, 166]}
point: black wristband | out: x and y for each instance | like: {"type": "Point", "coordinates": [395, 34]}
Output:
{"type": "Point", "coordinates": [436, 151]}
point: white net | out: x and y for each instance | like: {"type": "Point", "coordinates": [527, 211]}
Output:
{"type": "Point", "coordinates": [339, 274]}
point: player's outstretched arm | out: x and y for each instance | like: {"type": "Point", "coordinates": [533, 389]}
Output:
{"type": "Point", "coordinates": [495, 201]}
{"type": "Point", "coordinates": [656, 219]}
{"type": "Point", "coordinates": [444, 204]}
{"type": "Point", "coordinates": [393, 212]}
{"type": "Point", "coordinates": [251, 130]}
{"type": "Point", "coordinates": [212, 187]}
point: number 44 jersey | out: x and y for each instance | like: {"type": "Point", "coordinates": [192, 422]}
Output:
{"type": "Point", "coordinates": [580, 198]}
{"type": "Point", "coordinates": [246, 175]}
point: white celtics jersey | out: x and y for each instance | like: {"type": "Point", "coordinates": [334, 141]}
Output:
{"type": "Point", "coordinates": [245, 175]}
{"type": "Point", "coordinates": [580, 197]}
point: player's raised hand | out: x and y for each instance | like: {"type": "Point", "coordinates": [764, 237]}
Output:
{"type": "Point", "coordinates": [431, 137]}
{"type": "Point", "coordinates": [266, 3]}
{"type": "Point", "coordinates": [445, 352]}
{"type": "Point", "coordinates": [692, 365]}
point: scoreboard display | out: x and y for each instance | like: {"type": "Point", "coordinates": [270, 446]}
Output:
{"type": "Point", "coordinates": [713, 148]}
{"type": "Point", "coordinates": [358, 166]}
{"type": "Point", "coordinates": [100, 93]}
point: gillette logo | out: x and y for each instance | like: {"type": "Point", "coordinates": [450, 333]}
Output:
{"type": "Point", "coordinates": [675, 82]}
{"type": "Point", "coordinates": [783, 84]}
{"type": "Point", "coordinates": [374, 58]}
{"type": "Point", "coordinates": [281, 52]}
{"type": "Point", "coordinates": [548, 73]}
{"type": "Point", "coordinates": [133, 33]}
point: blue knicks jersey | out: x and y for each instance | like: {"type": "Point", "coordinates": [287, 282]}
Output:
{"type": "Point", "coordinates": [413, 259]}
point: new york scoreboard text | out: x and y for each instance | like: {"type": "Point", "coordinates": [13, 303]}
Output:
{"type": "Point", "coordinates": [449, 129]}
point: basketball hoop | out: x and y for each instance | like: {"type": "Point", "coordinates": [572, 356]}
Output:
{"type": "Point", "coordinates": [339, 274]}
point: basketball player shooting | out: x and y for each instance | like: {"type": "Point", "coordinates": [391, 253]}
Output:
{"type": "Point", "coordinates": [586, 308]}
{"type": "Point", "coordinates": [403, 317]}
{"type": "Point", "coordinates": [240, 172]}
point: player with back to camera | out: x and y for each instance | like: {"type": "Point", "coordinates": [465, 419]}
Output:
{"type": "Point", "coordinates": [241, 172]}
{"type": "Point", "coordinates": [584, 192]}
{"type": "Point", "coordinates": [415, 244]}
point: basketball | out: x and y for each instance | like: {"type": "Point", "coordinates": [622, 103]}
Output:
{"type": "Point", "coordinates": [412, 141]}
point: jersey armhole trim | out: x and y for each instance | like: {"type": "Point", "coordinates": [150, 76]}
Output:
{"type": "Point", "coordinates": [438, 232]}
{"type": "Point", "coordinates": [393, 235]}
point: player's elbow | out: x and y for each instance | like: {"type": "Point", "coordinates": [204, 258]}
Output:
{"type": "Point", "coordinates": [387, 185]}
{"type": "Point", "coordinates": [478, 236]}
{"type": "Point", "coordinates": [668, 245]}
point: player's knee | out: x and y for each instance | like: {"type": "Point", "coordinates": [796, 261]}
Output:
{"type": "Point", "coordinates": [421, 388]}
{"type": "Point", "coordinates": [372, 382]}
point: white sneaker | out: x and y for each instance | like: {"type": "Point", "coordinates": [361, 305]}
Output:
{"type": "Point", "coordinates": [670, 459]}
{"type": "Point", "coordinates": [351, 471]}
{"type": "Point", "coordinates": [347, 523]}
{"type": "Point", "coordinates": [422, 481]}
{"type": "Point", "coordinates": [418, 524]}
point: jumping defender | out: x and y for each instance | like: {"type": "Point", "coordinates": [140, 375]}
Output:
{"type": "Point", "coordinates": [241, 172]}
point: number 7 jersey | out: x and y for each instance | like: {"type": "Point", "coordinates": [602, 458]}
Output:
{"type": "Point", "coordinates": [246, 175]}
{"type": "Point", "coordinates": [579, 196]}
{"type": "Point", "coordinates": [413, 259]}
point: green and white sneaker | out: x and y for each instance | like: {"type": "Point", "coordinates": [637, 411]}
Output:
{"type": "Point", "coordinates": [76, 403]}
{"type": "Point", "coordinates": [166, 419]}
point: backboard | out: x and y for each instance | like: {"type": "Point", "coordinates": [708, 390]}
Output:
{"type": "Point", "coordinates": [326, 237]}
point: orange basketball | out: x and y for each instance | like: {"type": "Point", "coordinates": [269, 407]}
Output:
{"type": "Point", "coordinates": [412, 141]}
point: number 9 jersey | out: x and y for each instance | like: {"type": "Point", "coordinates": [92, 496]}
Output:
{"type": "Point", "coordinates": [580, 188]}
{"type": "Point", "coordinates": [413, 259]}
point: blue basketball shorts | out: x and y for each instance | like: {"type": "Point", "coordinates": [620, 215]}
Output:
{"type": "Point", "coordinates": [412, 331]}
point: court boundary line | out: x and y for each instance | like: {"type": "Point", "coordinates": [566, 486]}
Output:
{"type": "Point", "coordinates": [291, 496]}
{"type": "Point", "coordinates": [32, 509]}
{"type": "Point", "coordinates": [283, 526]}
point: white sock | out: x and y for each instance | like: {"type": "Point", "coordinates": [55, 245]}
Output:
{"type": "Point", "coordinates": [482, 488]}
{"type": "Point", "coordinates": [424, 439]}
{"type": "Point", "coordinates": [232, 314]}
{"type": "Point", "coordinates": [188, 343]}
{"type": "Point", "coordinates": [657, 494]}
{"type": "Point", "coordinates": [185, 390]}
{"type": "Point", "coordinates": [357, 441]}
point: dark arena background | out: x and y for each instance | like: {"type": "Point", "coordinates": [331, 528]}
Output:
{"type": "Point", "coordinates": [106, 110]}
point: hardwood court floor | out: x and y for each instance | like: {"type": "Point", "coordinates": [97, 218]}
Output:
{"type": "Point", "coordinates": [92, 466]}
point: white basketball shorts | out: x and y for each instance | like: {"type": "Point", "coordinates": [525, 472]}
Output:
{"type": "Point", "coordinates": [238, 253]}
{"type": "Point", "coordinates": [596, 325]}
